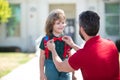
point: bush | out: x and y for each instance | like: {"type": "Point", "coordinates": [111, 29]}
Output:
{"type": "Point", "coordinates": [10, 49]}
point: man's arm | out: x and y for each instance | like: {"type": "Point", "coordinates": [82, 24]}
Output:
{"type": "Point", "coordinates": [75, 47]}
{"type": "Point", "coordinates": [70, 42]}
{"type": "Point", "coordinates": [60, 65]}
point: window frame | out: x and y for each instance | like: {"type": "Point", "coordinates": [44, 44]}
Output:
{"type": "Point", "coordinates": [19, 23]}
{"type": "Point", "coordinates": [112, 14]}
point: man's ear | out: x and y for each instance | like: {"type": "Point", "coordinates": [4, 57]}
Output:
{"type": "Point", "coordinates": [81, 29]}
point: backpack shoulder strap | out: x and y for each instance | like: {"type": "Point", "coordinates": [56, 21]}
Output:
{"type": "Point", "coordinates": [66, 51]}
{"type": "Point", "coordinates": [46, 38]}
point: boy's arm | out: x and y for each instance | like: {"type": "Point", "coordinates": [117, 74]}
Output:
{"type": "Point", "coordinates": [41, 65]}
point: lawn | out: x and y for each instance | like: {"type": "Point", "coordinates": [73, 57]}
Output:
{"type": "Point", "coordinates": [9, 61]}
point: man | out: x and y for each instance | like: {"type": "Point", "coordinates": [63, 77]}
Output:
{"type": "Point", "coordinates": [98, 59]}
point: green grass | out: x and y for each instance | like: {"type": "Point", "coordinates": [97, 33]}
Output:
{"type": "Point", "coordinates": [9, 61]}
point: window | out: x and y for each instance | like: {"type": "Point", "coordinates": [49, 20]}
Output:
{"type": "Point", "coordinates": [112, 18]}
{"type": "Point", "coordinates": [13, 26]}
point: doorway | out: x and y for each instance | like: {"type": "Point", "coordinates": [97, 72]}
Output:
{"type": "Point", "coordinates": [70, 11]}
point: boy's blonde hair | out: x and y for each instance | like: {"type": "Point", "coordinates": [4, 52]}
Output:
{"type": "Point", "coordinates": [57, 14]}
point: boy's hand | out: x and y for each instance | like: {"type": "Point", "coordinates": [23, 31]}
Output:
{"type": "Point", "coordinates": [74, 76]}
{"type": "Point", "coordinates": [43, 77]}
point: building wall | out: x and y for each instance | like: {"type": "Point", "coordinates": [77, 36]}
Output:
{"type": "Point", "coordinates": [33, 17]}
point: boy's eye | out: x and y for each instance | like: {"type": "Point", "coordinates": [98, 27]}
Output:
{"type": "Point", "coordinates": [63, 22]}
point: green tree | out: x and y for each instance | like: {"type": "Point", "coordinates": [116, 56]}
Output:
{"type": "Point", "coordinates": [5, 11]}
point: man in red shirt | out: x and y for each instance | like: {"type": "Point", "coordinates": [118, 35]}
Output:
{"type": "Point", "coordinates": [98, 59]}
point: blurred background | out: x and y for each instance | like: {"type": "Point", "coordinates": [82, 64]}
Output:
{"type": "Point", "coordinates": [22, 22]}
{"type": "Point", "coordinates": [23, 30]}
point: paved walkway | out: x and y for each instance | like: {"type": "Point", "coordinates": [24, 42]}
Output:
{"type": "Point", "coordinates": [29, 71]}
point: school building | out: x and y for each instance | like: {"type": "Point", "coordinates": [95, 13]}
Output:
{"type": "Point", "coordinates": [29, 16]}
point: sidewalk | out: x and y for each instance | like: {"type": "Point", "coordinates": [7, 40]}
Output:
{"type": "Point", "coordinates": [29, 71]}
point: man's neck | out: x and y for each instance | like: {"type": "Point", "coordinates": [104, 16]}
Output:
{"type": "Point", "coordinates": [88, 37]}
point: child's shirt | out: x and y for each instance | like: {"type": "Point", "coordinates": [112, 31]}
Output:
{"type": "Point", "coordinates": [59, 46]}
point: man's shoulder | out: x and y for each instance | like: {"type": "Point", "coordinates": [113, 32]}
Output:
{"type": "Point", "coordinates": [108, 41]}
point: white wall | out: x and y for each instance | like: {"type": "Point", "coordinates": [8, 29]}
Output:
{"type": "Point", "coordinates": [34, 14]}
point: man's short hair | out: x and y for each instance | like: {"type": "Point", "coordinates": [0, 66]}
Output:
{"type": "Point", "coordinates": [89, 20]}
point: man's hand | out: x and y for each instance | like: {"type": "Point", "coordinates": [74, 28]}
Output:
{"type": "Point", "coordinates": [51, 45]}
{"type": "Point", "coordinates": [68, 40]}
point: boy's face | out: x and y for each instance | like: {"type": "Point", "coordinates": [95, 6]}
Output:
{"type": "Point", "coordinates": [59, 26]}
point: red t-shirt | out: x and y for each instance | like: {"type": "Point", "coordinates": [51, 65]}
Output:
{"type": "Point", "coordinates": [98, 60]}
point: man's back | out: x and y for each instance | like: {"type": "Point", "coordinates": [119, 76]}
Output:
{"type": "Point", "coordinates": [102, 59]}
{"type": "Point", "coordinates": [98, 60]}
